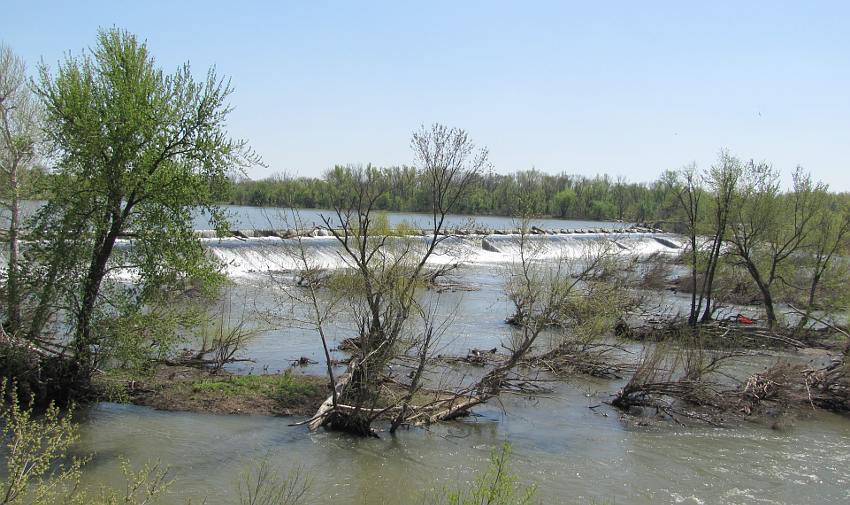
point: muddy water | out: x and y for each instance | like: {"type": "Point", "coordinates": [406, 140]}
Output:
{"type": "Point", "coordinates": [572, 453]}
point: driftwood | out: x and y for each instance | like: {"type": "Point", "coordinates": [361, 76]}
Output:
{"type": "Point", "coordinates": [786, 385]}
{"type": "Point", "coordinates": [199, 359]}
{"type": "Point", "coordinates": [660, 328]}
{"type": "Point", "coordinates": [589, 358]}
{"type": "Point", "coordinates": [328, 405]}
{"type": "Point", "coordinates": [476, 357]}
{"type": "Point", "coordinates": [675, 380]}
{"type": "Point", "coordinates": [672, 378]}
{"type": "Point", "coordinates": [828, 325]}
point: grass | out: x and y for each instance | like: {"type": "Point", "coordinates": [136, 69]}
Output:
{"type": "Point", "coordinates": [287, 389]}
{"type": "Point", "coordinates": [196, 390]}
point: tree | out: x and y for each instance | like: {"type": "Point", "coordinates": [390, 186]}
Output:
{"type": "Point", "coordinates": [138, 152]}
{"type": "Point", "coordinates": [387, 271]}
{"type": "Point", "coordinates": [829, 238]}
{"type": "Point", "coordinates": [721, 180]}
{"type": "Point", "coordinates": [686, 185]}
{"type": "Point", "coordinates": [769, 228]}
{"type": "Point", "coordinates": [564, 200]}
{"type": "Point", "coordinates": [19, 135]}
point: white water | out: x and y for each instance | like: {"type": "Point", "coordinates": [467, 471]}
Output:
{"type": "Point", "coordinates": [257, 256]}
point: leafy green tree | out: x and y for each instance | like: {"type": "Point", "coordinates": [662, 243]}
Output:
{"type": "Point", "coordinates": [768, 228]}
{"type": "Point", "coordinates": [721, 181]}
{"type": "Point", "coordinates": [564, 201]}
{"type": "Point", "coordinates": [138, 151]}
{"type": "Point", "coordinates": [830, 238]}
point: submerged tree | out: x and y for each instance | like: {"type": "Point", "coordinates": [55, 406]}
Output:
{"type": "Point", "coordinates": [138, 152]}
{"type": "Point", "coordinates": [19, 136]}
{"type": "Point", "coordinates": [387, 271]}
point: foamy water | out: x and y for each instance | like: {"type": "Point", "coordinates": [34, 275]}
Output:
{"type": "Point", "coordinates": [259, 256]}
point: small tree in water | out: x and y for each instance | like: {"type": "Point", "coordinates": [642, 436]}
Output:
{"type": "Point", "coordinates": [138, 152]}
{"type": "Point", "coordinates": [497, 485]}
{"type": "Point", "coordinates": [387, 271]}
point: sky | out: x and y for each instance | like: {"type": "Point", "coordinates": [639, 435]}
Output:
{"type": "Point", "coordinates": [621, 88]}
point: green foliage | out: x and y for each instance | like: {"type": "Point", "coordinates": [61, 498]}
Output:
{"type": "Point", "coordinates": [285, 388]}
{"type": "Point", "coordinates": [521, 193]}
{"type": "Point", "coordinates": [138, 151]}
{"type": "Point", "coordinates": [143, 486]}
{"type": "Point", "coordinates": [138, 336]}
{"type": "Point", "coordinates": [497, 485]}
{"type": "Point", "coordinates": [34, 445]}
{"type": "Point", "coordinates": [39, 470]}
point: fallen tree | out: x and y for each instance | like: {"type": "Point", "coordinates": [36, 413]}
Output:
{"type": "Point", "coordinates": [673, 376]}
{"type": "Point", "coordinates": [683, 379]}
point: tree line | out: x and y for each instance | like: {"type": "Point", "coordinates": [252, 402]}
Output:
{"type": "Point", "coordinates": [524, 192]}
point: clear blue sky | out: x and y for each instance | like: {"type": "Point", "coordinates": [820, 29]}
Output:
{"type": "Point", "coordinates": [625, 88]}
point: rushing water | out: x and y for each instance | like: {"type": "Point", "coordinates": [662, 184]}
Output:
{"type": "Point", "coordinates": [572, 453]}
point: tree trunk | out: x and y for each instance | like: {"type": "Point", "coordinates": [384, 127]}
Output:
{"type": "Point", "coordinates": [83, 339]}
{"type": "Point", "coordinates": [767, 297]}
{"type": "Point", "coordinates": [768, 305]}
{"type": "Point", "coordinates": [349, 391]}
{"type": "Point", "coordinates": [713, 259]}
{"type": "Point", "coordinates": [692, 317]}
{"type": "Point", "coordinates": [768, 308]}
{"type": "Point", "coordinates": [41, 314]}
{"type": "Point", "coordinates": [13, 293]}
{"type": "Point", "coordinates": [804, 319]}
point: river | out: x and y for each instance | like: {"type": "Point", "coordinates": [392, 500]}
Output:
{"type": "Point", "coordinates": [572, 453]}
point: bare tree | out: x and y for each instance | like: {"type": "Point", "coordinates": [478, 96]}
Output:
{"type": "Point", "coordinates": [19, 134]}
{"type": "Point", "coordinates": [388, 270]}
{"type": "Point", "coordinates": [670, 376]}
{"type": "Point", "coordinates": [264, 484]}
{"type": "Point", "coordinates": [687, 188]}
{"type": "Point", "coordinates": [322, 309]}
{"type": "Point", "coordinates": [541, 293]}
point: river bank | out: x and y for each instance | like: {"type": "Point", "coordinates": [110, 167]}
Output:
{"type": "Point", "coordinates": [190, 389]}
